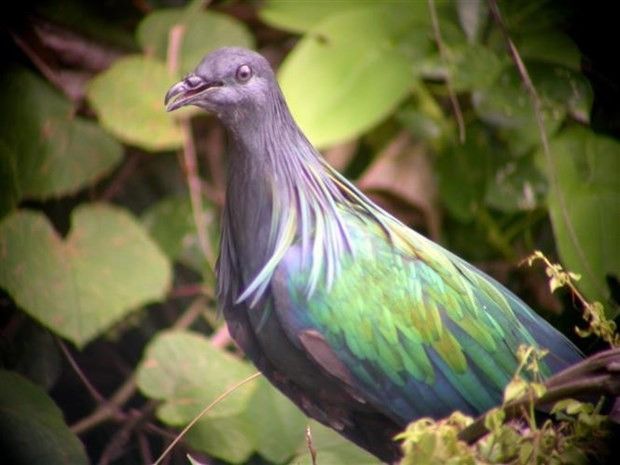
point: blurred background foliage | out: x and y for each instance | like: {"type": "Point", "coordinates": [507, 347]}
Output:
{"type": "Point", "coordinates": [109, 335]}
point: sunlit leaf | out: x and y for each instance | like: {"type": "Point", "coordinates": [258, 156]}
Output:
{"type": "Point", "coordinates": [185, 371]}
{"type": "Point", "coordinates": [129, 100]}
{"type": "Point", "coordinates": [78, 286]}
{"type": "Point", "coordinates": [353, 69]}
{"type": "Point", "coordinates": [32, 427]}
{"type": "Point", "coordinates": [302, 16]}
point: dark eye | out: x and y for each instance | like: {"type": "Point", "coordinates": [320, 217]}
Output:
{"type": "Point", "coordinates": [244, 73]}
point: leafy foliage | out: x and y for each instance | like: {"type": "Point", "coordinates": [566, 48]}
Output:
{"type": "Point", "coordinates": [32, 428]}
{"type": "Point", "coordinates": [80, 286]}
{"type": "Point", "coordinates": [373, 84]}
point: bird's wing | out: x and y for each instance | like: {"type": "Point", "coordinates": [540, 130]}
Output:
{"type": "Point", "coordinates": [416, 332]}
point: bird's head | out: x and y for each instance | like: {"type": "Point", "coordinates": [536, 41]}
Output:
{"type": "Point", "coordinates": [231, 83]}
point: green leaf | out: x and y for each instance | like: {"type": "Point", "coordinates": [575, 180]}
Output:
{"type": "Point", "coordinates": [474, 67]}
{"type": "Point", "coordinates": [585, 207]}
{"type": "Point", "coordinates": [129, 100]}
{"type": "Point", "coordinates": [279, 426]}
{"type": "Point", "coordinates": [170, 223]}
{"type": "Point", "coordinates": [352, 70]}
{"type": "Point", "coordinates": [515, 389]}
{"type": "Point", "coordinates": [186, 372]}
{"type": "Point", "coordinates": [32, 428]}
{"type": "Point", "coordinates": [517, 185]}
{"type": "Point", "coordinates": [79, 286]}
{"type": "Point", "coordinates": [332, 449]}
{"type": "Point", "coordinates": [551, 46]}
{"type": "Point", "coordinates": [303, 16]}
{"type": "Point", "coordinates": [204, 32]}
{"type": "Point", "coordinates": [46, 150]}
{"type": "Point", "coordinates": [228, 438]}
{"type": "Point", "coordinates": [463, 170]}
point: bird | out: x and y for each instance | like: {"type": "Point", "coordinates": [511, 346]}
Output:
{"type": "Point", "coordinates": [361, 321]}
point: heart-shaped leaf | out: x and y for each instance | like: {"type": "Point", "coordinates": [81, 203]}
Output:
{"type": "Point", "coordinates": [129, 99]}
{"type": "Point", "coordinates": [79, 286]}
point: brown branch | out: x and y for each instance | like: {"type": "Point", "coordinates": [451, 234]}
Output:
{"type": "Point", "coordinates": [120, 438]}
{"type": "Point", "coordinates": [531, 89]}
{"type": "Point", "coordinates": [189, 153]}
{"type": "Point", "coordinates": [112, 408]}
{"type": "Point", "coordinates": [221, 338]}
{"type": "Point", "coordinates": [78, 371]}
{"type": "Point", "coordinates": [597, 375]}
{"type": "Point", "coordinates": [456, 107]}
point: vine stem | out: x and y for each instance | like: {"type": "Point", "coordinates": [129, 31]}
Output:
{"type": "Point", "coordinates": [444, 56]}
{"type": "Point", "coordinates": [553, 177]}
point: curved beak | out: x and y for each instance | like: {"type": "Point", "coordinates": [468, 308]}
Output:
{"type": "Point", "coordinates": [187, 91]}
{"type": "Point", "coordinates": [179, 88]}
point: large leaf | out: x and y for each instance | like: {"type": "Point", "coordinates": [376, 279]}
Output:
{"type": "Point", "coordinates": [32, 428]}
{"type": "Point", "coordinates": [463, 170]}
{"type": "Point", "coordinates": [129, 99]}
{"type": "Point", "coordinates": [279, 426]}
{"type": "Point", "coordinates": [185, 371]}
{"type": "Point", "coordinates": [584, 202]}
{"type": "Point", "coordinates": [204, 32]}
{"type": "Point", "coordinates": [353, 69]}
{"type": "Point", "coordinates": [79, 286]}
{"type": "Point", "coordinates": [302, 16]}
{"type": "Point", "coordinates": [46, 150]}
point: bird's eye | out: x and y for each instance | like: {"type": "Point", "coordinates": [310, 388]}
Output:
{"type": "Point", "coordinates": [244, 73]}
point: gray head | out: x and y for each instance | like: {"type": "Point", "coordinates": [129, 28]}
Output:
{"type": "Point", "coordinates": [233, 83]}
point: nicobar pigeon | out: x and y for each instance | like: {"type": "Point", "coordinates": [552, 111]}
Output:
{"type": "Point", "coordinates": [365, 324]}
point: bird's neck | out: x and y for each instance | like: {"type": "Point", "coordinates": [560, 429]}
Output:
{"type": "Point", "coordinates": [280, 192]}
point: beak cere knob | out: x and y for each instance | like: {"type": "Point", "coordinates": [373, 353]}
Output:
{"type": "Point", "coordinates": [177, 89]}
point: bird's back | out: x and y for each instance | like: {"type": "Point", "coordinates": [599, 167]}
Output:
{"type": "Point", "coordinates": [408, 326]}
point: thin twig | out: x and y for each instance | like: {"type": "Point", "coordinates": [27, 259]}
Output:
{"type": "Point", "coordinates": [122, 436]}
{"type": "Point", "coordinates": [310, 445]}
{"type": "Point", "coordinates": [112, 408]}
{"type": "Point", "coordinates": [119, 180]}
{"type": "Point", "coordinates": [78, 371]}
{"type": "Point", "coordinates": [221, 338]}
{"type": "Point", "coordinates": [216, 401]}
{"type": "Point", "coordinates": [553, 178]}
{"type": "Point", "coordinates": [144, 447]}
{"type": "Point", "coordinates": [189, 153]}
{"type": "Point", "coordinates": [444, 56]}
{"type": "Point", "coordinates": [109, 409]}
{"type": "Point", "coordinates": [187, 290]}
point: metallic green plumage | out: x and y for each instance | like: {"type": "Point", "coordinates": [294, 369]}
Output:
{"type": "Point", "coordinates": [361, 321]}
